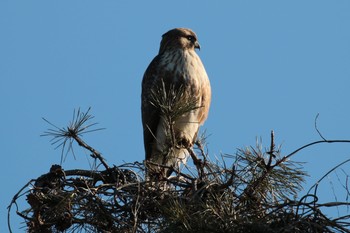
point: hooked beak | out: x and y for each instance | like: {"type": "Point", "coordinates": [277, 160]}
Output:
{"type": "Point", "coordinates": [197, 45]}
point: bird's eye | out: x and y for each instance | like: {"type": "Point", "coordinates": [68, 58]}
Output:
{"type": "Point", "coordinates": [191, 38]}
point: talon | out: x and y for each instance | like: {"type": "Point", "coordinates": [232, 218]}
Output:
{"type": "Point", "coordinates": [184, 143]}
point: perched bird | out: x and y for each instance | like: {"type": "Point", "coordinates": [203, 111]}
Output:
{"type": "Point", "coordinates": [177, 77]}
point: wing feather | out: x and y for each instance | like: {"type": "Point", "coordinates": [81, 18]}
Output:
{"type": "Point", "coordinates": [150, 114]}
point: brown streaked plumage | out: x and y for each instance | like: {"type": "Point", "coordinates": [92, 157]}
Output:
{"type": "Point", "coordinates": [176, 65]}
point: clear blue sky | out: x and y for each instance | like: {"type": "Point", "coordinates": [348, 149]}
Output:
{"type": "Point", "coordinates": [272, 65]}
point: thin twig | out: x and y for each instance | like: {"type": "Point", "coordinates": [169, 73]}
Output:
{"type": "Point", "coordinates": [13, 201]}
{"type": "Point", "coordinates": [197, 162]}
{"type": "Point", "coordinates": [325, 175]}
{"type": "Point", "coordinates": [271, 153]}
{"type": "Point", "coordinates": [285, 158]}
{"type": "Point", "coordinates": [95, 154]}
{"type": "Point", "coordinates": [319, 133]}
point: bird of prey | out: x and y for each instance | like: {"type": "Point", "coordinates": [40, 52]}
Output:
{"type": "Point", "coordinates": [175, 98]}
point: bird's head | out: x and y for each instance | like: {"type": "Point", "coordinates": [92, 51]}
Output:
{"type": "Point", "coordinates": [179, 38]}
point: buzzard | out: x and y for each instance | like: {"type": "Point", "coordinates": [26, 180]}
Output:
{"type": "Point", "coordinates": [175, 100]}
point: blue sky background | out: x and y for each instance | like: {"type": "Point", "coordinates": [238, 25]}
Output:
{"type": "Point", "coordinates": [272, 65]}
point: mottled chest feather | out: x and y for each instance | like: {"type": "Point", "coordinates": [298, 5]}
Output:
{"type": "Point", "coordinates": [183, 65]}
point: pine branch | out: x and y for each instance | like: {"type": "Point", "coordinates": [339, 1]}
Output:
{"type": "Point", "coordinates": [77, 127]}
